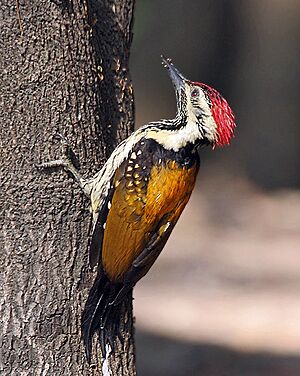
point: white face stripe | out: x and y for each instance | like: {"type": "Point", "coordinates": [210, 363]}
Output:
{"type": "Point", "coordinates": [175, 139]}
{"type": "Point", "coordinates": [190, 133]}
{"type": "Point", "coordinates": [208, 123]}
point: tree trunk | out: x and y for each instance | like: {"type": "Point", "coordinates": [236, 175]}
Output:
{"type": "Point", "coordinates": [64, 68]}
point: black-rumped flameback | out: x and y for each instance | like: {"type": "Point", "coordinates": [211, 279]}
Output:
{"type": "Point", "coordinates": [139, 194]}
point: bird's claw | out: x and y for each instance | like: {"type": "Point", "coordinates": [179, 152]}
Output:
{"type": "Point", "coordinates": [65, 160]}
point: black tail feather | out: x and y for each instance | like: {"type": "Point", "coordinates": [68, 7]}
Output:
{"type": "Point", "coordinates": [101, 314]}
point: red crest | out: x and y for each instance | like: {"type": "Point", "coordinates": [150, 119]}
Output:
{"type": "Point", "coordinates": [222, 114]}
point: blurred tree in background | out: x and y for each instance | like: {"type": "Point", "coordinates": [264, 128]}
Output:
{"type": "Point", "coordinates": [223, 298]}
{"type": "Point", "coordinates": [249, 51]}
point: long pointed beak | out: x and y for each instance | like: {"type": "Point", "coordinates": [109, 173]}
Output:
{"type": "Point", "coordinates": [176, 77]}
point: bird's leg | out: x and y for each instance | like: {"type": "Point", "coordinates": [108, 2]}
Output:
{"type": "Point", "coordinates": [66, 163]}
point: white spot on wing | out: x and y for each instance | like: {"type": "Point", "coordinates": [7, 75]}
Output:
{"type": "Point", "coordinates": [104, 225]}
{"type": "Point", "coordinates": [109, 205]}
{"type": "Point", "coordinates": [101, 181]}
{"type": "Point", "coordinates": [139, 152]}
{"type": "Point", "coordinates": [168, 224]}
{"type": "Point", "coordinates": [133, 155]}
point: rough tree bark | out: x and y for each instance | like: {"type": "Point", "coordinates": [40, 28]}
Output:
{"type": "Point", "coordinates": [64, 68]}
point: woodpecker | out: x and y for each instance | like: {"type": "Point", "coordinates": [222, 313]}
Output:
{"type": "Point", "coordinates": [139, 194]}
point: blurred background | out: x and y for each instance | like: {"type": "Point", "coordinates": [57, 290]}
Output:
{"type": "Point", "coordinates": [224, 297]}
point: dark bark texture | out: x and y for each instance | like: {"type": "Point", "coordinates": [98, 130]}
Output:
{"type": "Point", "coordinates": [64, 68]}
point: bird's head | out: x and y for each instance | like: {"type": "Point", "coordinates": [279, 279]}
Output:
{"type": "Point", "coordinates": [202, 105]}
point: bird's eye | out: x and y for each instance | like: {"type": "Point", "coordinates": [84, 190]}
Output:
{"type": "Point", "coordinates": [195, 93]}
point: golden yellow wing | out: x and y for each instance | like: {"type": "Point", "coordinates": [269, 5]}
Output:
{"type": "Point", "coordinates": [144, 209]}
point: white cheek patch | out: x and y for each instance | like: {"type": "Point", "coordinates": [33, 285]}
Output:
{"type": "Point", "coordinates": [208, 124]}
{"type": "Point", "coordinates": [210, 128]}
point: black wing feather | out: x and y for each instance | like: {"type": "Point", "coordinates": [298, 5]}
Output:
{"type": "Point", "coordinates": [144, 261]}
{"type": "Point", "coordinates": [98, 231]}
